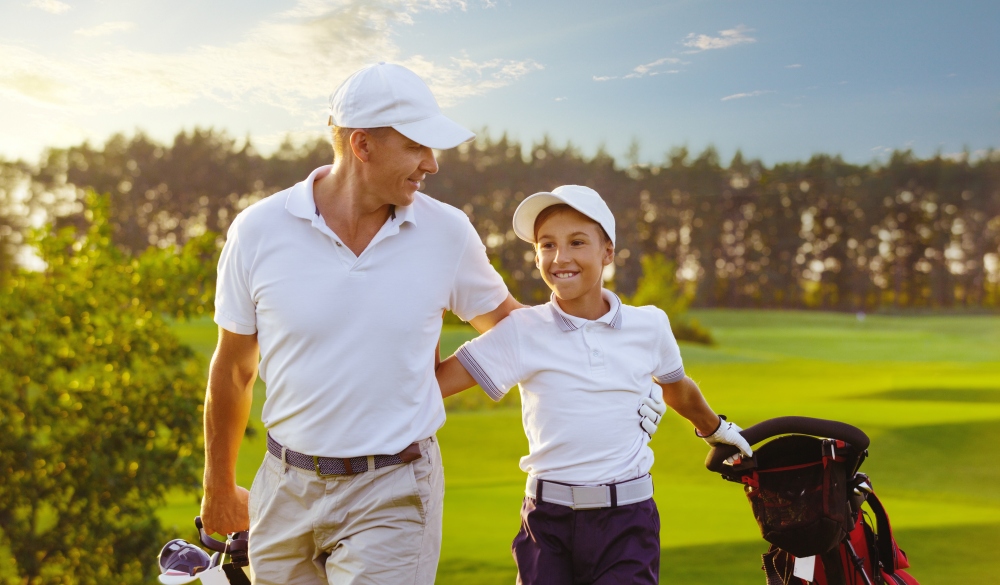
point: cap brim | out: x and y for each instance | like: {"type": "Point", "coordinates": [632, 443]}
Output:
{"type": "Point", "coordinates": [178, 579]}
{"type": "Point", "coordinates": [527, 212]}
{"type": "Point", "coordinates": [439, 132]}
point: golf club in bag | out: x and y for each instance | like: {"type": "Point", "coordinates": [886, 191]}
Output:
{"type": "Point", "coordinates": [806, 494]}
{"type": "Point", "coordinates": [182, 562]}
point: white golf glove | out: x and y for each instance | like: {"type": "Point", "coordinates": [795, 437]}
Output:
{"type": "Point", "coordinates": [728, 434]}
{"type": "Point", "coordinates": [652, 410]}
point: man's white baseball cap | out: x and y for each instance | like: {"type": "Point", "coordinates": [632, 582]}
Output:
{"type": "Point", "coordinates": [583, 199]}
{"type": "Point", "coordinates": [388, 95]}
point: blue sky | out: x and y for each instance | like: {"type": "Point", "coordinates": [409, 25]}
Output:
{"type": "Point", "coordinates": [779, 80]}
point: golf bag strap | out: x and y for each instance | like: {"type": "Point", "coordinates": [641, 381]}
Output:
{"type": "Point", "coordinates": [883, 537]}
{"type": "Point", "coordinates": [235, 575]}
{"type": "Point", "coordinates": [771, 570]}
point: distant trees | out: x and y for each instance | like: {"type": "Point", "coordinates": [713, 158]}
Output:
{"type": "Point", "coordinates": [100, 405]}
{"type": "Point", "coordinates": [820, 233]}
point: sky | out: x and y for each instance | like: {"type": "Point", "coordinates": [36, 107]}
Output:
{"type": "Point", "coordinates": [779, 80]}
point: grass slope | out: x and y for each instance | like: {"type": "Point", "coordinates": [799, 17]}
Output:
{"type": "Point", "coordinates": [926, 389]}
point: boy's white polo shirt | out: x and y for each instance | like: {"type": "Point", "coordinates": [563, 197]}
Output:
{"type": "Point", "coordinates": [347, 343]}
{"type": "Point", "coordinates": [581, 382]}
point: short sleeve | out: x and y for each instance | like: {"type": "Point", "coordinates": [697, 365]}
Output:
{"type": "Point", "coordinates": [669, 366]}
{"type": "Point", "coordinates": [477, 289]}
{"type": "Point", "coordinates": [494, 359]}
{"type": "Point", "coordinates": [234, 307]}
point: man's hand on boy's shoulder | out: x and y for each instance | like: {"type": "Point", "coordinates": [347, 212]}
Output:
{"type": "Point", "coordinates": [652, 410]}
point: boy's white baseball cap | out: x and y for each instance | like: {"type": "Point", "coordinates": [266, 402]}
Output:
{"type": "Point", "coordinates": [583, 199]}
{"type": "Point", "coordinates": [388, 95]}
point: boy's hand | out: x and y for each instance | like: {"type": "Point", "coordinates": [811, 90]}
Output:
{"type": "Point", "coordinates": [652, 410]}
{"type": "Point", "coordinates": [729, 434]}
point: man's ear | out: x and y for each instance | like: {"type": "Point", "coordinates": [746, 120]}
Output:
{"type": "Point", "coordinates": [361, 145]}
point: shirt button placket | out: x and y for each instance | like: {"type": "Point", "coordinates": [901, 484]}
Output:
{"type": "Point", "coordinates": [590, 339]}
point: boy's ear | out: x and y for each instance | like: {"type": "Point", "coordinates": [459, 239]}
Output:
{"type": "Point", "coordinates": [609, 252]}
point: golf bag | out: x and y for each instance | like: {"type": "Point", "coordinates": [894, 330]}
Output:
{"type": "Point", "coordinates": [181, 562]}
{"type": "Point", "coordinates": [806, 494]}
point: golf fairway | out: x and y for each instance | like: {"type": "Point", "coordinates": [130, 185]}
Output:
{"type": "Point", "coordinates": [926, 389]}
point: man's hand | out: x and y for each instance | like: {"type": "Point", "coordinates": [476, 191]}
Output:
{"type": "Point", "coordinates": [652, 410]}
{"type": "Point", "coordinates": [729, 434]}
{"type": "Point", "coordinates": [225, 513]}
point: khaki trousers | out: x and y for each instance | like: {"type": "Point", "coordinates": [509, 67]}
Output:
{"type": "Point", "coordinates": [378, 527]}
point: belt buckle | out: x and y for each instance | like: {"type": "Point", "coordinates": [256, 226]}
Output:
{"type": "Point", "coordinates": [318, 472]}
{"type": "Point", "coordinates": [589, 497]}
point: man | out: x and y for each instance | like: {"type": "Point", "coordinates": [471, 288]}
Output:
{"type": "Point", "coordinates": [336, 287]}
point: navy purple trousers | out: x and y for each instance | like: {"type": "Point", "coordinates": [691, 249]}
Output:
{"type": "Point", "coordinates": [558, 545]}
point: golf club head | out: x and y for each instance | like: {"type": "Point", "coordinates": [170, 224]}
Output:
{"type": "Point", "coordinates": [180, 562]}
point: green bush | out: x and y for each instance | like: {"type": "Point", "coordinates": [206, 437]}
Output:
{"type": "Point", "coordinates": [658, 286]}
{"type": "Point", "coordinates": [100, 404]}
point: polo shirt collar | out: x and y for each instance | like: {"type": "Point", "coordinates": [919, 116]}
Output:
{"type": "Point", "coordinates": [567, 322]}
{"type": "Point", "coordinates": [302, 202]}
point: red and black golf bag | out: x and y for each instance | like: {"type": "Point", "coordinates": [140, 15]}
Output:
{"type": "Point", "coordinates": [807, 494]}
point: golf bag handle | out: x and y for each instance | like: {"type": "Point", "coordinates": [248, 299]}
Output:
{"type": "Point", "coordinates": [784, 425]}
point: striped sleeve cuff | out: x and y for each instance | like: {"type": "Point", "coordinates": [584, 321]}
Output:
{"type": "Point", "coordinates": [465, 357]}
{"type": "Point", "coordinates": [674, 376]}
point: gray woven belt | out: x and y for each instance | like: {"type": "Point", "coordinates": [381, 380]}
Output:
{"type": "Point", "coordinates": [337, 466]}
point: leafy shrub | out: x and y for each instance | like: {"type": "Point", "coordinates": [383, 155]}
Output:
{"type": "Point", "coordinates": [658, 286]}
{"type": "Point", "coordinates": [100, 404]}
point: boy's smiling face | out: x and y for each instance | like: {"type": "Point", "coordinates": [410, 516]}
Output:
{"type": "Point", "coordinates": [571, 253]}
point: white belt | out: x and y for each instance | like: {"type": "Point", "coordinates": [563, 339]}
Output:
{"type": "Point", "coordinates": [586, 497]}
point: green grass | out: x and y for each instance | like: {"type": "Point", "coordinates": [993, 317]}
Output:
{"type": "Point", "coordinates": [925, 388]}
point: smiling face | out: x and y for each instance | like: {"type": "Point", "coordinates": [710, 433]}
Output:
{"type": "Point", "coordinates": [571, 252]}
{"type": "Point", "coordinates": [396, 166]}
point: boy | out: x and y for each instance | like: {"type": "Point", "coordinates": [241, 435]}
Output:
{"type": "Point", "coordinates": [584, 362]}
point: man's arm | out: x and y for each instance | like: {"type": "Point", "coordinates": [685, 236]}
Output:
{"type": "Point", "coordinates": [487, 321]}
{"type": "Point", "coordinates": [227, 411]}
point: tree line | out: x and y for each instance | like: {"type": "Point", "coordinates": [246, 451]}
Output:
{"type": "Point", "coordinates": [824, 233]}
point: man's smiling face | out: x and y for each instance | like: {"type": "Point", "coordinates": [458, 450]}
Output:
{"type": "Point", "coordinates": [398, 165]}
{"type": "Point", "coordinates": [571, 253]}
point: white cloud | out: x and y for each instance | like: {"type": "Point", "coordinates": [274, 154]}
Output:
{"type": "Point", "coordinates": [756, 93]}
{"type": "Point", "coordinates": [727, 38]}
{"type": "Point", "coordinates": [650, 68]}
{"type": "Point", "coordinates": [561, 99]}
{"type": "Point", "coordinates": [647, 69]}
{"type": "Point", "coordinates": [793, 66]}
{"type": "Point", "coordinates": [291, 61]}
{"type": "Point", "coordinates": [106, 28]}
{"type": "Point", "coordinates": [50, 6]}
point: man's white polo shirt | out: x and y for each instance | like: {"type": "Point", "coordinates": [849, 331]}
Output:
{"type": "Point", "coordinates": [347, 343]}
{"type": "Point", "coordinates": [581, 382]}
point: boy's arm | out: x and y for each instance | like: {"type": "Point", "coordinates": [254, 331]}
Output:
{"type": "Point", "coordinates": [452, 377]}
{"type": "Point", "coordinates": [686, 398]}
